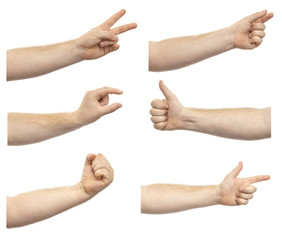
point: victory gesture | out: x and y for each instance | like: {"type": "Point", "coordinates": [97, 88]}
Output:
{"type": "Point", "coordinates": [101, 40]}
{"type": "Point", "coordinates": [94, 44]}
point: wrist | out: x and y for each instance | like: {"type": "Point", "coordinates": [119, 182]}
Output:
{"type": "Point", "coordinates": [218, 194]}
{"type": "Point", "coordinates": [77, 120]}
{"type": "Point", "coordinates": [229, 35]}
{"type": "Point", "coordinates": [189, 119]}
{"type": "Point", "coordinates": [74, 51]}
{"type": "Point", "coordinates": [79, 48]}
{"type": "Point", "coordinates": [84, 195]}
{"type": "Point", "coordinates": [77, 194]}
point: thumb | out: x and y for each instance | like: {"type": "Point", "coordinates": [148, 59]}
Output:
{"type": "Point", "coordinates": [166, 92]}
{"type": "Point", "coordinates": [256, 16]}
{"type": "Point", "coordinates": [235, 172]}
{"type": "Point", "coordinates": [89, 159]}
{"type": "Point", "coordinates": [111, 108]}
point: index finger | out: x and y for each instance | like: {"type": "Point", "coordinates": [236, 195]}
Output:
{"type": "Point", "coordinates": [113, 19]}
{"type": "Point", "coordinates": [123, 28]}
{"type": "Point", "coordinates": [266, 18]}
{"type": "Point", "coordinates": [258, 178]}
{"type": "Point", "coordinates": [108, 90]}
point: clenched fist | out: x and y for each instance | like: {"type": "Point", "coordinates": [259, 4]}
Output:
{"type": "Point", "coordinates": [97, 174]}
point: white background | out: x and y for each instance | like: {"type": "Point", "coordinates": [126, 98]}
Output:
{"type": "Point", "coordinates": [139, 153]}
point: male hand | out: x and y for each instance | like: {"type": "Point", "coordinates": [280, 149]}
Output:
{"type": "Point", "coordinates": [102, 40]}
{"type": "Point", "coordinates": [238, 191]}
{"type": "Point", "coordinates": [249, 32]}
{"type": "Point", "coordinates": [167, 113]}
{"type": "Point", "coordinates": [97, 174]}
{"type": "Point", "coordinates": [95, 105]}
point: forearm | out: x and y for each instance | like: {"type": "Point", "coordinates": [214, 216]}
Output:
{"type": "Point", "coordinates": [27, 128]}
{"type": "Point", "coordinates": [241, 123]}
{"type": "Point", "coordinates": [180, 52]}
{"type": "Point", "coordinates": [35, 61]}
{"type": "Point", "coordinates": [31, 207]}
{"type": "Point", "coordinates": [168, 198]}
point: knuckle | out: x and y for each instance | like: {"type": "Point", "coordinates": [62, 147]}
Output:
{"type": "Point", "coordinates": [88, 93]}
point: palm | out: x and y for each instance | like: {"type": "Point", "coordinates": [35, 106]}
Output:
{"type": "Point", "coordinates": [229, 189]}
{"type": "Point", "coordinates": [90, 183]}
{"type": "Point", "coordinates": [241, 39]}
{"type": "Point", "coordinates": [174, 114]}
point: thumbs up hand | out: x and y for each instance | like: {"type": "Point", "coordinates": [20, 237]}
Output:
{"type": "Point", "coordinates": [249, 32]}
{"type": "Point", "coordinates": [167, 113]}
{"type": "Point", "coordinates": [238, 191]}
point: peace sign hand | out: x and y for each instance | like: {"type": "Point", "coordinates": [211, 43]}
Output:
{"type": "Point", "coordinates": [102, 40]}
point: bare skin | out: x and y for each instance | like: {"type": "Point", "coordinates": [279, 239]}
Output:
{"type": "Point", "coordinates": [236, 123]}
{"type": "Point", "coordinates": [31, 207]}
{"type": "Point", "coordinates": [27, 128]}
{"type": "Point", "coordinates": [35, 61]}
{"type": "Point", "coordinates": [179, 52]}
{"type": "Point", "coordinates": [169, 198]}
